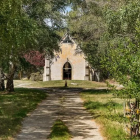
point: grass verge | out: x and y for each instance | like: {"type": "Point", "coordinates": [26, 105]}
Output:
{"type": "Point", "coordinates": [59, 131]}
{"type": "Point", "coordinates": [14, 107]}
{"type": "Point", "coordinates": [60, 83]}
{"type": "Point", "coordinates": [107, 110]}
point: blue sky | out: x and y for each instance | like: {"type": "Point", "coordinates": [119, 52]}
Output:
{"type": "Point", "coordinates": [68, 9]}
{"type": "Point", "coordinates": [48, 22]}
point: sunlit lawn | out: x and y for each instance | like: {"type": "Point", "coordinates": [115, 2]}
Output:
{"type": "Point", "coordinates": [60, 84]}
{"type": "Point", "coordinates": [107, 110]}
{"type": "Point", "coordinates": [14, 107]}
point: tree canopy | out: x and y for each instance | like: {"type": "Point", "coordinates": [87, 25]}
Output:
{"type": "Point", "coordinates": [23, 27]}
{"type": "Point", "coordinates": [108, 33]}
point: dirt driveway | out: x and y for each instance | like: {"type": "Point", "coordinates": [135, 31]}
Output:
{"type": "Point", "coordinates": [60, 104]}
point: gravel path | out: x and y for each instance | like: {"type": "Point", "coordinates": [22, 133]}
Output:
{"type": "Point", "coordinates": [67, 106]}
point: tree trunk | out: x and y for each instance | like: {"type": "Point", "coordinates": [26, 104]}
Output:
{"type": "Point", "coordinates": [0, 78]}
{"type": "Point", "coordinates": [20, 75]}
{"type": "Point", "coordinates": [10, 83]}
{"type": "Point", "coordinates": [28, 76]}
{"type": "Point", "coordinates": [97, 76]}
{"type": "Point", "coordinates": [2, 86]}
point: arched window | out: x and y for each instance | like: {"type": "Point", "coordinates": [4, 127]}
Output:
{"type": "Point", "coordinates": [67, 71]}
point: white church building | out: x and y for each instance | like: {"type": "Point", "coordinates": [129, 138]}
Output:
{"type": "Point", "coordinates": [68, 64]}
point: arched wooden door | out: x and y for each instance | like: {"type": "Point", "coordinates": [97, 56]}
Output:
{"type": "Point", "coordinates": [67, 71]}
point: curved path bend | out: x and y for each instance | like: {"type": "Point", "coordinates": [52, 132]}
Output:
{"type": "Point", "coordinates": [65, 105]}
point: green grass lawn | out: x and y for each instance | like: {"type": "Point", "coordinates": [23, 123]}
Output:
{"type": "Point", "coordinates": [14, 107]}
{"type": "Point", "coordinates": [59, 131]}
{"type": "Point", "coordinates": [107, 110]}
{"type": "Point", "coordinates": [60, 84]}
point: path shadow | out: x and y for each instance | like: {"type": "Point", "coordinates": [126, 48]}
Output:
{"type": "Point", "coordinates": [76, 117]}
{"type": "Point", "coordinates": [80, 123]}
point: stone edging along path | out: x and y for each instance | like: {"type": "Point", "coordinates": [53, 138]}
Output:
{"type": "Point", "coordinates": [65, 105]}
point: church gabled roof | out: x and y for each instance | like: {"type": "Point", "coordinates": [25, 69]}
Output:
{"type": "Point", "coordinates": [67, 39]}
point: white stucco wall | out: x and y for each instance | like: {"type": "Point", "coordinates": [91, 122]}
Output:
{"type": "Point", "coordinates": [68, 54]}
{"type": "Point", "coordinates": [46, 75]}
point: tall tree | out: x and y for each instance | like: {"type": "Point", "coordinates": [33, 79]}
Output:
{"type": "Point", "coordinates": [108, 33]}
{"type": "Point", "coordinates": [87, 25]}
{"type": "Point", "coordinates": [122, 40]}
{"type": "Point", "coordinates": [17, 30]}
{"type": "Point", "coordinates": [23, 28]}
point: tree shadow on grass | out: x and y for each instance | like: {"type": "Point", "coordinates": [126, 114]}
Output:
{"type": "Point", "coordinates": [97, 105]}
{"type": "Point", "coordinates": [96, 91]}
{"type": "Point", "coordinates": [14, 107]}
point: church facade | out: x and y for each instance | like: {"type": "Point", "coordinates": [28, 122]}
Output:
{"type": "Point", "coordinates": [68, 64]}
